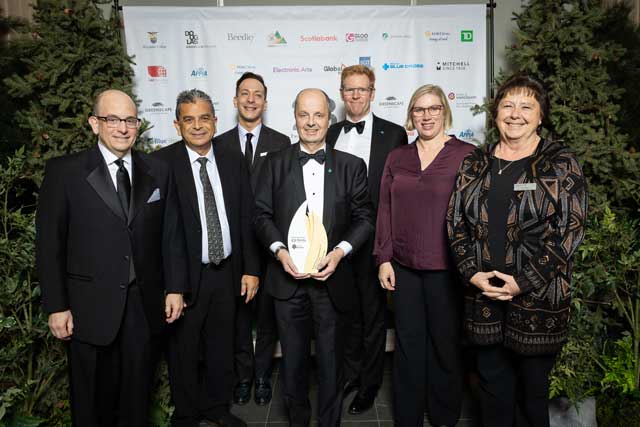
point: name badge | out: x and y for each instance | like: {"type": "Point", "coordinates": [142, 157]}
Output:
{"type": "Point", "coordinates": [527, 186]}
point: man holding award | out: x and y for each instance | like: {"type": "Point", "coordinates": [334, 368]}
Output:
{"type": "Point", "coordinates": [311, 199]}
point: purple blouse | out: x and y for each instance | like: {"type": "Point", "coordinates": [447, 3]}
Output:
{"type": "Point", "coordinates": [413, 206]}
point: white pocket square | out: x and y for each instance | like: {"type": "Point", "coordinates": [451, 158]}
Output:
{"type": "Point", "coordinates": [264, 154]}
{"type": "Point", "coordinates": [155, 196]}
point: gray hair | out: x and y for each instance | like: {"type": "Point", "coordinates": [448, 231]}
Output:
{"type": "Point", "coordinates": [191, 97]}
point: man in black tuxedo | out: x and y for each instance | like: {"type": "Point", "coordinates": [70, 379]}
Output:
{"type": "Point", "coordinates": [110, 246]}
{"type": "Point", "coordinates": [334, 185]}
{"type": "Point", "coordinates": [371, 140]}
{"type": "Point", "coordinates": [216, 206]}
{"type": "Point", "coordinates": [253, 140]}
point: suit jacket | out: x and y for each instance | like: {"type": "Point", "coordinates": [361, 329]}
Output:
{"type": "Point", "coordinates": [385, 136]}
{"type": "Point", "coordinates": [347, 215]}
{"type": "Point", "coordinates": [238, 201]}
{"type": "Point", "coordinates": [84, 243]}
{"type": "Point", "coordinates": [269, 141]}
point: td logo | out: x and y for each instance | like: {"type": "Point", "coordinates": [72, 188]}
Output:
{"type": "Point", "coordinates": [466, 36]}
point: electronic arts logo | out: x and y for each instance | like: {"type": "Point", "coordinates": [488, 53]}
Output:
{"type": "Point", "coordinates": [156, 71]}
{"type": "Point", "coordinates": [191, 37]}
{"type": "Point", "coordinates": [276, 39]}
{"type": "Point", "coordinates": [466, 36]}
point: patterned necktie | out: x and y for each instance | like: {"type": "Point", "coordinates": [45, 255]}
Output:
{"type": "Point", "coordinates": [248, 150]}
{"type": "Point", "coordinates": [350, 125]}
{"type": "Point", "coordinates": [214, 231]}
{"type": "Point", "coordinates": [124, 186]}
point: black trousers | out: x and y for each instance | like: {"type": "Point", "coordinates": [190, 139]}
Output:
{"type": "Point", "coordinates": [204, 332]}
{"type": "Point", "coordinates": [508, 382]}
{"type": "Point", "coordinates": [247, 361]}
{"type": "Point", "coordinates": [366, 332]}
{"type": "Point", "coordinates": [307, 314]}
{"type": "Point", "coordinates": [427, 367]}
{"type": "Point", "coordinates": [110, 385]}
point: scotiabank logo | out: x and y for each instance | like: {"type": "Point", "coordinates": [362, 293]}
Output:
{"type": "Point", "coordinates": [156, 71]}
{"type": "Point", "coordinates": [356, 37]}
{"type": "Point", "coordinates": [317, 38]}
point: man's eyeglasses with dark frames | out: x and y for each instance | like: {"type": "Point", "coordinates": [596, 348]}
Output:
{"type": "Point", "coordinates": [114, 121]}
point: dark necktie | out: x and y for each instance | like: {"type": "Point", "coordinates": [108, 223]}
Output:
{"type": "Point", "coordinates": [350, 125]}
{"type": "Point", "coordinates": [124, 186]}
{"type": "Point", "coordinates": [124, 194]}
{"type": "Point", "coordinates": [248, 150]}
{"type": "Point", "coordinates": [214, 230]}
{"type": "Point", "coordinates": [319, 156]}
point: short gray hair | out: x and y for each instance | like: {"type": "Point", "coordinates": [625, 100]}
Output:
{"type": "Point", "coordinates": [191, 97]}
{"type": "Point", "coordinates": [326, 97]}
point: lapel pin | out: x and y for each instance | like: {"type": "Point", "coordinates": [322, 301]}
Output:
{"type": "Point", "coordinates": [381, 132]}
{"type": "Point", "coordinates": [330, 171]}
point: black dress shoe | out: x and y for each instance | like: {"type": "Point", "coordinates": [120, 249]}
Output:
{"type": "Point", "coordinates": [362, 402]}
{"type": "Point", "coordinates": [352, 384]}
{"type": "Point", "coordinates": [242, 392]}
{"type": "Point", "coordinates": [225, 420]}
{"type": "Point", "coordinates": [262, 393]}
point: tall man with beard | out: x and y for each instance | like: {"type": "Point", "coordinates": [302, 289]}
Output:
{"type": "Point", "coordinates": [334, 185]}
{"type": "Point", "coordinates": [216, 204]}
{"type": "Point", "coordinates": [371, 138]}
{"type": "Point", "coordinates": [110, 250]}
{"type": "Point", "coordinates": [253, 140]}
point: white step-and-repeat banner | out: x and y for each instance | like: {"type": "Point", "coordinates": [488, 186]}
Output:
{"type": "Point", "coordinates": [178, 48]}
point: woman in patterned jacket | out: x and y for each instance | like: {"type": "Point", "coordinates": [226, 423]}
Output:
{"type": "Point", "coordinates": [514, 222]}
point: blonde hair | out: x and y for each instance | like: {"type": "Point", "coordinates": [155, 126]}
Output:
{"type": "Point", "coordinates": [433, 90]}
{"type": "Point", "coordinates": [357, 69]}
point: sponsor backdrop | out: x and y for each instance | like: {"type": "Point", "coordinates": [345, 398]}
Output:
{"type": "Point", "coordinates": [178, 48]}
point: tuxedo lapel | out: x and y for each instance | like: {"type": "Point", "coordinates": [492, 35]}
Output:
{"type": "Point", "coordinates": [142, 185]}
{"type": "Point", "coordinates": [298, 177]}
{"type": "Point", "coordinates": [100, 180]}
{"type": "Point", "coordinates": [377, 139]}
{"type": "Point", "coordinates": [333, 133]}
{"type": "Point", "coordinates": [184, 179]}
{"type": "Point", "coordinates": [329, 189]}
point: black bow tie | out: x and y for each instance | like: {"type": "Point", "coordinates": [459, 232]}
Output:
{"type": "Point", "coordinates": [350, 125]}
{"type": "Point", "coordinates": [319, 156]}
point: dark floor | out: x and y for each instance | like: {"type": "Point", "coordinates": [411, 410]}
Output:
{"type": "Point", "coordinates": [380, 415]}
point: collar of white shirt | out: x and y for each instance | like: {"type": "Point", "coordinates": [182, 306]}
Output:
{"type": "Point", "coordinates": [193, 156]}
{"type": "Point", "coordinates": [242, 133]}
{"type": "Point", "coordinates": [109, 157]}
{"type": "Point", "coordinates": [303, 149]}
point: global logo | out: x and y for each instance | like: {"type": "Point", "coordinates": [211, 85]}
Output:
{"type": "Point", "coordinates": [365, 60]}
{"type": "Point", "coordinates": [356, 37]}
{"type": "Point", "coordinates": [334, 68]}
{"type": "Point", "coordinates": [153, 36]}
{"type": "Point", "coordinates": [398, 66]}
{"type": "Point", "coordinates": [199, 73]}
{"type": "Point", "coordinates": [467, 134]}
{"type": "Point", "coordinates": [276, 39]}
{"type": "Point", "coordinates": [466, 36]}
{"type": "Point", "coordinates": [157, 71]}
{"type": "Point", "coordinates": [191, 37]}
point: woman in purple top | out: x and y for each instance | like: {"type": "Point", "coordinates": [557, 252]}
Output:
{"type": "Point", "coordinates": [412, 253]}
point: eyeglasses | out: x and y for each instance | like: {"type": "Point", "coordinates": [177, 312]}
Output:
{"type": "Point", "coordinates": [434, 110]}
{"type": "Point", "coordinates": [114, 121]}
{"type": "Point", "coordinates": [205, 120]}
{"type": "Point", "coordinates": [350, 91]}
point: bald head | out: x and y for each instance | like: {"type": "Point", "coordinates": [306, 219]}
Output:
{"type": "Point", "coordinates": [311, 111]}
{"type": "Point", "coordinates": [110, 97]}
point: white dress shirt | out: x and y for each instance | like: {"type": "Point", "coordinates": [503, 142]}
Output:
{"type": "Point", "coordinates": [313, 177]}
{"type": "Point", "coordinates": [214, 178]}
{"type": "Point", "coordinates": [110, 160]}
{"type": "Point", "coordinates": [242, 134]}
{"type": "Point", "coordinates": [357, 144]}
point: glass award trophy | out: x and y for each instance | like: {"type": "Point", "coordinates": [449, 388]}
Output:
{"type": "Point", "coordinates": [307, 240]}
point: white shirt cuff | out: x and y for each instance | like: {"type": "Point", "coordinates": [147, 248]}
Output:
{"type": "Point", "coordinates": [345, 246]}
{"type": "Point", "coordinates": [275, 245]}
